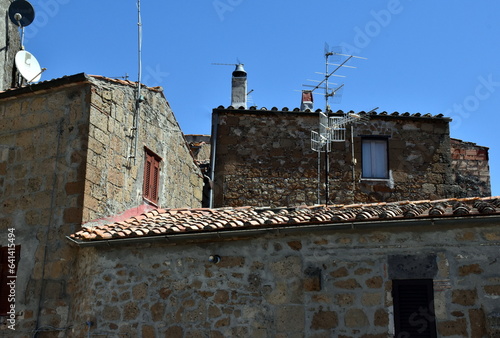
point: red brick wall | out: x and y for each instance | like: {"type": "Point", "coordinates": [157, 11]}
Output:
{"type": "Point", "coordinates": [470, 168]}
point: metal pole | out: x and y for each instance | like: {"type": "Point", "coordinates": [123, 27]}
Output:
{"type": "Point", "coordinates": [327, 174]}
{"type": "Point", "coordinates": [319, 177]}
{"type": "Point", "coordinates": [327, 107]}
{"type": "Point", "coordinates": [353, 163]}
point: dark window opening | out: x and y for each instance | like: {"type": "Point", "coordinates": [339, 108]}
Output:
{"type": "Point", "coordinates": [151, 177]}
{"type": "Point", "coordinates": [414, 308]}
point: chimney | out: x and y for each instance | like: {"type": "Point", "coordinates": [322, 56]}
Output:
{"type": "Point", "coordinates": [239, 88]}
{"type": "Point", "coordinates": [307, 100]}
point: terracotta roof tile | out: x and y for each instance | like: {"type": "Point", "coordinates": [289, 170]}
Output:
{"type": "Point", "coordinates": [373, 113]}
{"type": "Point", "coordinates": [175, 221]}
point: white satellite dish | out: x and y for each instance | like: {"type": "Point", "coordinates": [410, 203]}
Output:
{"type": "Point", "coordinates": [28, 66]}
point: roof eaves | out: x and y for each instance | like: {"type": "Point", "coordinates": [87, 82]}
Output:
{"type": "Point", "coordinates": [197, 236]}
{"type": "Point", "coordinates": [45, 85]}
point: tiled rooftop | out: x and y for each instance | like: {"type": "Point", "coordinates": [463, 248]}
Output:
{"type": "Point", "coordinates": [171, 222]}
{"type": "Point", "coordinates": [67, 80]}
{"type": "Point", "coordinates": [339, 112]}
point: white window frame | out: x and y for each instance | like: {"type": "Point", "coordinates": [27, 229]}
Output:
{"type": "Point", "coordinates": [375, 158]}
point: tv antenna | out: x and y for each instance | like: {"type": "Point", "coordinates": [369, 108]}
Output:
{"type": "Point", "coordinates": [226, 64]}
{"type": "Point", "coordinates": [139, 98]}
{"type": "Point", "coordinates": [22, 14]}
{"type": "Point", "coordinates": [331, 128]}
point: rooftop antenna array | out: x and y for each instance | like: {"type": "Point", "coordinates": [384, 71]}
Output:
{"type": "Point", "coordinates": [22, 14]}
{"type": "Point", "coordinates": [331, 128]}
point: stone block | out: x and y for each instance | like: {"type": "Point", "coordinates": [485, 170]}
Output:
{"type": "Point", "coordinates": [221, 297]}
{"type": "Point", "coordinates": [174, 331]}
{"type": "Point", "coordinates": [295, 245]}
{"type": "Point", "coordinates": [341, 272]}
{"type": "Point", "coordinates": [349, 284]}
{"type": "Point", "coordinates": [345, 299]}
{"type": "Point", "coordinates": [371, 299]}
{"type": "Point", "coordinates": [465, 236]}
{"type": "Point", "coordinates": [362, 271]}
{"type": "Point", "coordinates": [356, 318]}
{"type": "Point", "coordinates": [477, 323]}
{"type": "Point", "coordinates": [290, 319]}
{"type": "Point", "coordinates": [140, 291]}
{"type": "Point", "coordinates": [148, 332]}
{"type": "Point", "coordinates": [288, 267]}
{"type": "Point", "coordinates": [223, 322]}
{"type": "Point", "coordinates": [464, 297]}
{"type": "Point", "coordinates": [492, 236]}
{"type": "Point", "coordinates": [381, 318]}
{"type": "Point", "coordinates": [466, 270]}
{"type": "Point", "coordinates": [73, 215]}
{"type": "Point", "coordinates": [374, 282]}
{"type": "Point", "coordinates": [324, 320]}
{"type": "Point", "coordinates": [492, 290]}
{"type": "Point", "coordinates": [453, 328]}
{"type": "Point", "coordinates": [111, 313]}
{"type": "Point", "coordinates": [130, 311]}
{"type": "Point", "coordinates": [73, 188]}
{"type": "Point", "coordinates": [231, 262]}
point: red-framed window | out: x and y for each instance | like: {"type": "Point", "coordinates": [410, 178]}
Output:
{"type": "Point", "coordinates": [151, 183]}
{"type": "Point", "coordinates": [9, 260]}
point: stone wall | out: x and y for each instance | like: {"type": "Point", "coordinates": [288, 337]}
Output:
{"type": "Point", "coordinates": [43, 143]}
{"type": "Point", "coordinates": [317, 284]}
{"type": "Point", "coordinates": [9, 44]}
{"type": "Point", "coordinates": [115, 181]}
{"type": "Point", "coordinates": [470, 168]}
{"type": "Point", "coordinates": [200, 147]}
{"type": "Point", "coordinates": [64, 148]}
{"type": "Point", "coordinates": [264, 158]}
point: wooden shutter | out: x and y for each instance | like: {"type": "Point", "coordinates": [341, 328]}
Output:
{"type": "Point", "coordinates": [414, 308]}
{"type": "Point", "coordinates": [151, 176]}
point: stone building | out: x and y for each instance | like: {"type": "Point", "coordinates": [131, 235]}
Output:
{"type": "Point", "coordinates": [365, 270]}
{"type": "Point", "coordinates": [264, 158]}
{"type": "Point", "coordinates": [72, 151]}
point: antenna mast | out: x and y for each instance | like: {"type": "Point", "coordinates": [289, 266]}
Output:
{"type": "Point", "coordinates": [139, 98]}
{"type": "Point", "coordinates": [331, 129]}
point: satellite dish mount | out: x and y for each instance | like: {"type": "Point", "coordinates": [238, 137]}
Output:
{"type": "Point", "coordinates": [22, 14]}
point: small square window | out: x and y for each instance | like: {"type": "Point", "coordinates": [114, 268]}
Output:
{"type": "Point", "coordinates": [151, 176]}
{"type": "Point", "coordinates": [374, 158]}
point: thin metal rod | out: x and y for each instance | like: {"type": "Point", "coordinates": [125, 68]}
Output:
{"type": "Point", "coordinates": [357, 57]}
{"type": "Point", "coordinates": [22, 37]}
{"type": "Point", "coordinates": [319, 177]}
{"type": "Point", "coordinates": [138, 99]}
{"type": "Point", "coordinates": [327, 174]}
{"type": "Point", "coordinates": [353, 163]}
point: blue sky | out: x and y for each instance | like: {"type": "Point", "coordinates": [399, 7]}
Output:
{"type": "Point", "coordinates": [422, 56]}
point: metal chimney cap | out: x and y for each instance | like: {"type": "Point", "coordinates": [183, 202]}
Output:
{"type": "Point", "coordinates": [239, 71]}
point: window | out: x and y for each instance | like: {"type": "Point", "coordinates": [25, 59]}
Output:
{"type": "Point", "coordinates": [374, 158]}
{"type": "Point", "coordinates": [414, 308]}
{"type": "Point", "coordinates": [151, 176]}
{"type": "Point", "coordinates": [9, 259]}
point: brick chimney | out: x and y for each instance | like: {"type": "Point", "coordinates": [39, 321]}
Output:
{"type": "Point", "coordinates": [307, 100]}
